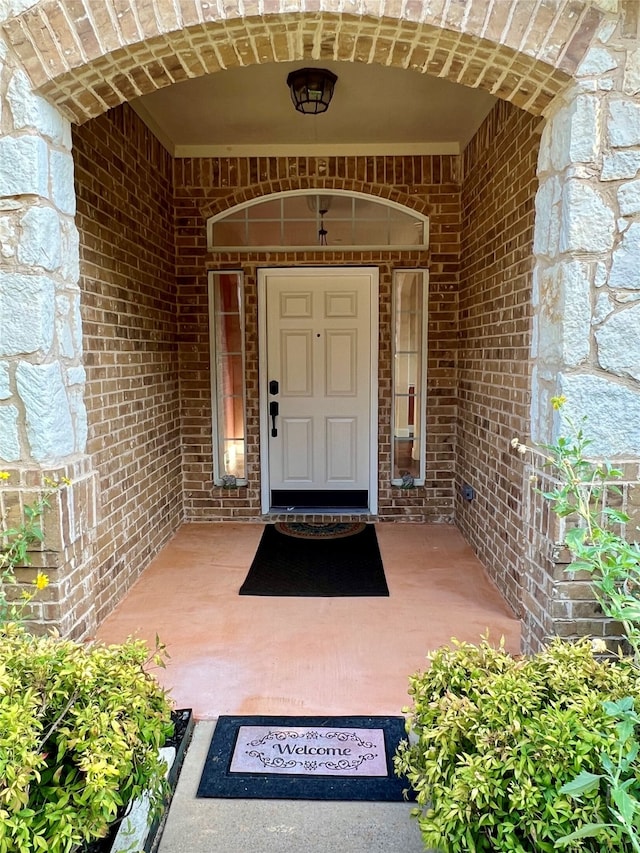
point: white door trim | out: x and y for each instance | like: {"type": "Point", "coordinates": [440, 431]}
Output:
{"type": "Point", "coordinates": [265, 491]}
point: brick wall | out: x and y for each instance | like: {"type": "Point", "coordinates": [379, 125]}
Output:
{"type": "Point", "coordinates": [206, 186]}
{"type": "Point", "coordinates": [66, 551]}
{"type": "Point", "coordinates": [125, 219]}
{"type": "Point", "coordinates": [494, 333]}
{"type": "Point", "coordinates": [557, 601]}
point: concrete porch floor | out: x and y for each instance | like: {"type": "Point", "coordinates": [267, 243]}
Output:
{"type": "Point", "coordinates": [234, 654]}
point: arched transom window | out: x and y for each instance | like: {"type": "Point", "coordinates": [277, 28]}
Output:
{"type": "Point", "coordinates": [313, 219]}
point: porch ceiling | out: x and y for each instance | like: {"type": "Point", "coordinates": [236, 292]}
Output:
{"type": "Point", "coordinates": [374, 109]}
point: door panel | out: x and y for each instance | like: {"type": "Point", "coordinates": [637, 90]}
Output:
{"type": "Point", "coordinates": [341, 305]}
{"type": "Point", "coordinates": [341, 373]}
{"type": "Point", "coordinates": [340, 448]}
{"type": "Point", "coordinates": [297, 456]}
{"type": "Point", "coordinates": [296, 304]}
{"type": "Point", "coordinates": [295, 363]}
{"type": "Point", "coordinates": [318, 348]}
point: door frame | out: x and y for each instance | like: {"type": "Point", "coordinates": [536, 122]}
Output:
{"type": "Point", "coordinates": [265, 480]}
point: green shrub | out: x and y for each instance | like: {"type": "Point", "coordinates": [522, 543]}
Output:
{"type": "Point", "coordinates": [80, 729]}
{"type": "Point", "coordinates": [582, 492]}
{"type": "Point", "coordinates": [494, 738]}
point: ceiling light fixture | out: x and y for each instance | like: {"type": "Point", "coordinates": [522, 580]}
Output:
{"type": "Point", "coordinates": [311, 89]}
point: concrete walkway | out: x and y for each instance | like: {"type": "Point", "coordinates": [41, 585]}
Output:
{"type": "Point", "coordinates": [279, 826]}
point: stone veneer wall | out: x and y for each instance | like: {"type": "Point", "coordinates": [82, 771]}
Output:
{"type": "Point", "coordinates": [43, 421]}
{"type": "Point", "coordinates": [494, 366]}
{"type": "Point", "coordinates": [205, 186]}
{"type": "Point", "coordinates": [587, 286]}
{"type": "Point", "coordinates": [127, 279]}
{"type": "Point", "coordinates": [586, 344]}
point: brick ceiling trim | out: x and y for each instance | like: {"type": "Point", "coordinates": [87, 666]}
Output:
{"type": "Point", "coordinates": [87, 56]}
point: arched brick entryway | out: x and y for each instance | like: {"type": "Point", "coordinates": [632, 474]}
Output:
{"type": "Point", "coordinates": [87, 58]}
{"type": "Point", "coordinates": [568, 60]}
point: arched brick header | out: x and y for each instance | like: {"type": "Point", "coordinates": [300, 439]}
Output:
{"type": "Point", "coordinates": [88, 57]}
{"type": "Point", "coordinates": [269, 187]}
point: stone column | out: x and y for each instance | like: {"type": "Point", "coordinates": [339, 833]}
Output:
{"type": "Point", "coordinates": [43, 421]}
{"type": "Point", "coordinates": [587, 245]}
{"type": "Point", "coordinates": [586, 342]}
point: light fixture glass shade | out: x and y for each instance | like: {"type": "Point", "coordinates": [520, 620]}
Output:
{"type": "Point", "coordinates": [311, 89]}
{"type": "Point", "coordinates": [318, 203]}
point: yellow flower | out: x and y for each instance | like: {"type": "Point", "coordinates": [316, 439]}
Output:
{"type": "Point", "coordinates": [4, 475]}
{"type": "Point", "coordinates": [558, 402]}
{"type": "Point", "coordinates": [41, 581]}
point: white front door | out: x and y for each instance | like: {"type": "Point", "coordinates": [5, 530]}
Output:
{"type": "Point", "coordinates": [319, 363]}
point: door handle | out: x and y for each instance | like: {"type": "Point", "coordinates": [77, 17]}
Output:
{"type": "Point", "coordinates": [274, 408]}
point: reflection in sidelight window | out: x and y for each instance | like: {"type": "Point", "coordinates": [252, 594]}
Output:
{"type": "Point", "coordinates": [410, 289]}
{"type": "Point", "coordinates": [226, 325]}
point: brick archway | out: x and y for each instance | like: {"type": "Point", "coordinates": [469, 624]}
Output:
{"type": "Point", "coordinates": [87, 58]}
{"type": "Point", "coordinates": [267, 188]}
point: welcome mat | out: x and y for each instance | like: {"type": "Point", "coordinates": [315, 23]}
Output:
{"type": "Point", "coordinates": [320, 529]}
{"type": "Point", "coordinates": [299, 566]}
{"type": "Point", "coordinates": [304, 758]}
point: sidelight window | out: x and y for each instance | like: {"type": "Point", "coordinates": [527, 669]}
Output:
{"type": "Point", "coordinates": [226, 310]}
{"type": "Point", "coordinates": [408, 461]}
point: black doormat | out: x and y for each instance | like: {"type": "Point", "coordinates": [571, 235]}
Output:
{"type": "Point", "coordinates": [343, 566]}
{"type": "Point", "coordinates": [304, 758]}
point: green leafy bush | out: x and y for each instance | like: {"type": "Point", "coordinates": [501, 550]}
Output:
{"type": "Point", "coordinates": [494, 738]}
{"type": "Point", "coordinates": [582, 492]}
{"type": "Point", "coordinates": [80, 729]}
{"type": "Point", "coordinates": [618, 777]}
